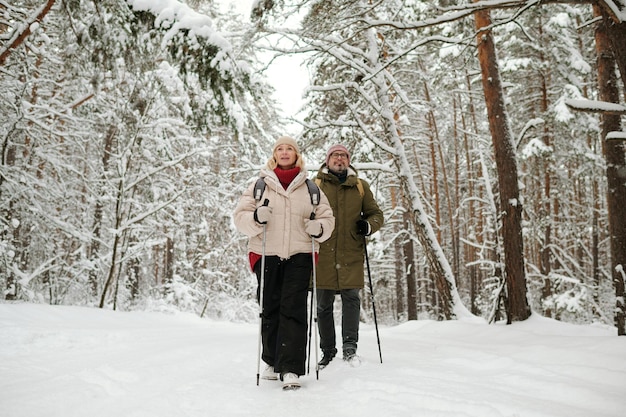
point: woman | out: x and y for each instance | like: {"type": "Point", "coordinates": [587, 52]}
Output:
{"type": "Point", "coordinates": [291, 221]}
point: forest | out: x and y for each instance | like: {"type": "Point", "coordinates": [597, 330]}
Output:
{"type": "Point", "coordinates": [491, 132]}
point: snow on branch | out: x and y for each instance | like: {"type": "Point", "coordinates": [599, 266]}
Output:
{"type": "Point", "coordinates": [454, 13]}
{"type": "Point", "coordinates": [594, 106]}
{"type": "Point", "coordinates": [176, 16]}
{"type": "Point", "coordinates": [616, 135]}
{"type": "Point", "coordinates": [617, 9]}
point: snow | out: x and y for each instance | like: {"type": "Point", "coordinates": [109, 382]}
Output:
{"type": "Point", "coordinates": [535, 147]}
{"type": "Point", "coordinates": [175, 15]}
{"type": "Point", "coordinates": [76, 361]}
{"type": "Point", "coordinates": [616, 135]}
{"type": "Point", "coordinates": [596, 106]}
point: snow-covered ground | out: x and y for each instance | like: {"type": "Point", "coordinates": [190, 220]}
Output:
{"type": "Point", "coordinates": [85, 362]}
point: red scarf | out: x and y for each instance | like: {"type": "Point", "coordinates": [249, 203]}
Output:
{"type": "Point", "coordinates": [285, 176]}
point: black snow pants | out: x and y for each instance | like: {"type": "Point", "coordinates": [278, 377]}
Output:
{"type": "Point", "coordinates": [284, 318]}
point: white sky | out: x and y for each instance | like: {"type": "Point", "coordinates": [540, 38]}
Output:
{"type": "Point", "coordinates": [286, 74]}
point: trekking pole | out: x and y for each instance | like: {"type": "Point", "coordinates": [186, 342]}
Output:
{"type": "Point", "coordinates": [308, 365]}
{"type": "Point", "coordinates": [261, 288]}
{"type": "Point", "coordinates": [369, 275]}
{"type": "Point", "coordinates": [314, 304]}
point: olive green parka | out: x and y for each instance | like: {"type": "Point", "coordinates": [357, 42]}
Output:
{"type": "Point", "coordinates": [341, 257]}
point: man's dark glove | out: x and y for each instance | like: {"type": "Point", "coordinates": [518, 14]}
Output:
{"type": "Point", "coordinates": [363, 228]}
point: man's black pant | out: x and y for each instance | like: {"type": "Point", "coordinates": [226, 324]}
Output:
{"type": "Point", "coordinates": [350, 315]}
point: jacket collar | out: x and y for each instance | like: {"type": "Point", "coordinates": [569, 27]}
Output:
{"type": "Point", "coordinates": [351, 170]}
{"type": "Point", "coordinates": [325, 175]}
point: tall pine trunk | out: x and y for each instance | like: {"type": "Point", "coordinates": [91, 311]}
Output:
{"type": "Point", "coordinates": [506, 163]}
{"type": "Point", "coordinates": [609, 54]}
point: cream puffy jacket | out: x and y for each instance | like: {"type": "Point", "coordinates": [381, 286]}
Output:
{"type": "Point", "coordinates": [285, 234]}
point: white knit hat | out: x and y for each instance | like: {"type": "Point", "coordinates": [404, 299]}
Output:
{"type": "Point", "coordinates": [286, 140]}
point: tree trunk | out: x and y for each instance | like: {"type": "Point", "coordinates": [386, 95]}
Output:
{"type": "Point", "coordinates": [400, 264]}
{"type": "Point", "coordinates": [546, 251]}
{"type": "Point", "coordinates": [94, 246]}
{"type": "Point", "coordinates": [511, 206]}
{"type": "Point", "coordinates": [410, 271]}
{"type": "Point", "coordinates": [616, 165]}
{"type": "Point", "coordinates": [168, 263]}
{"type": "Point", "coordinates": [615, 32]}
{"type": "Point", "coordinates": [8, 159]}
{"type": "Point", "coordinates": [18, 38]}
{"type": "Point", "coordinates": [474, 223]}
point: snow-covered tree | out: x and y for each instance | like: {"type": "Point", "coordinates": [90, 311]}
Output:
{"type": "Point", "coordinates": [128, 129]}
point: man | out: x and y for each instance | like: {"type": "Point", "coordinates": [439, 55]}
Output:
{"type": "Point", "coordinates": [340, 267]}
